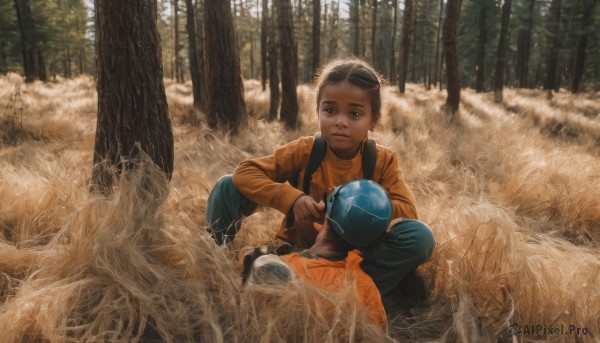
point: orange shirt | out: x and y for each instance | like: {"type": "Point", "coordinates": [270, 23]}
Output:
{"type": "Point", "coordinates": [332, 275]}
{"type": "Point", "coordinates": [263, 180]}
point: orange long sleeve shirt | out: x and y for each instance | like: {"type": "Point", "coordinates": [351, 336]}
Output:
{"type": "Point", "coordinates": [333, 275]}
{"type": "Point", "coordinates": [267, 182]}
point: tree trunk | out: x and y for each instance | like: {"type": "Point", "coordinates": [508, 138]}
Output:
{"type": "Point", "coordinates": [424, 52]}
{"type": "Point", "coordinates": [406, 40]}
{"type": "Point", "coordinates": [41, 66]}
{"type": "Point", "coordinates": [413, 47]}
{"type": "Point", "coordinates": [225, 96]}
{"type": "Point", "coordinates": [316, 37]}
{"type": "Point", "coordinates": [501, 53]}
{"type": "Point", "coordinates": [289, 101]}
{"type": "Point", "coordinates": [299, 41]}
{"type": "Point", "coordinates": [523, 49]}
{"type": "Point", "coordinates": [438, 66]}
{"type": "Point", "coordinates": [393, 43]}
{"type": "Point", "coordinates": [334, 27]}
{"type": "Point", "coordinates": [251, 36]}
{"type": "Point", "coordinates": [324, 34]}
{"type": "Point", "coordinates": [581, 45]}
{"type": "Point", "coordinates": [480, 64]}
{"type": "Point", "coordinates": [273, 67]}
{"type": "Point", "coordinates": [364, 18]}
{"type": "Point", "coordinates": [263, 43]}
{"type": "Point", "coordinates": [3, 62]}
{"type": "Point", "coordinates": [451, 54]}
{"type": "Point", "coordinates": [195, 70]}
{"type": "Point", "coordinates": [199, 14]}
{"type": "Point", "coordinates": [27, 29]}
{"type": "Point", "coordinates": [355, 27]}
{"type": "Point", "coordinates": [178, 45]}
{"type": "Point", "coordinates": [80, 58]}
{"type": "Point", "coordinates": [130, 116]}
{"type": "Point", "coordinates": [373, 36]}
{"type": "Point", "coordinates": [68, 58]}
{"type": "Point", "coordinates": [553, 44]}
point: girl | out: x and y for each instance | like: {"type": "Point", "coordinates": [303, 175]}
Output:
{"type": "Point", "coordinates": [348, 105]}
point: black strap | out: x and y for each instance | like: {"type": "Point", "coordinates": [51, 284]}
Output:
{"type": "Point", "coordinates": [319, 149]}
{"type": "Point", "coordinates": [369, 158]}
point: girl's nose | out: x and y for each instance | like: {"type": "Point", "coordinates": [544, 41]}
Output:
{"type": "Point", "coordinates": [340, 121]}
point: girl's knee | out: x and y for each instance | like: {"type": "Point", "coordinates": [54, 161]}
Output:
{"type": "Point", "coordinates": [422, 242]}
{"type": "Point", "coordinates": [225, 183]}
{"type": "Point", "coordinates": [425, 240]}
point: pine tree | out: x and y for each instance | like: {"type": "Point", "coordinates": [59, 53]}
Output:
{"type": "Point", "coordinates": [130, 117]}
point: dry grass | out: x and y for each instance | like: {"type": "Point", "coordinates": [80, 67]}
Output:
{"type": "Point", "coordinates": [513, 205]}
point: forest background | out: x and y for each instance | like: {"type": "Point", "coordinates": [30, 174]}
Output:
{"type": "Point", "coordinates": [509, 183]}
{"type": "Point", "coordinates": [545, 39]}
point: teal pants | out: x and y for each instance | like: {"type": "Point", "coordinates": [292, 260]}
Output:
{"type": "Point", "coordinates": [409, 243]}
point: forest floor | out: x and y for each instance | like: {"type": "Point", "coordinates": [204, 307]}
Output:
{"type": "Point", "coordinates": [511, 191]}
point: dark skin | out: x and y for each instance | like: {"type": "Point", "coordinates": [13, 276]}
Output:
{"type": "Point", "coordinates": [345, 118]}
{"type": "Point", "coordinates": [329, 245]}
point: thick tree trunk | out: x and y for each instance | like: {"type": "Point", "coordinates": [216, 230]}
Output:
{"type": "Point", "coordinates": [195, 70]}
{"type": "Point", "coordinates": [132, 106]}
{"type": "Point", "coordinates": [553, 44]}
{"type": "Point", "coordinates": [501, 53]}
{"type": "Point", "coordinates": [407, 29]}
{"type": "Point", "coordinates": [480, 64]}
{"type": "Point", "coordinates": [225, 96]}
{"type": "Point", "coordinates": [289, 101]}
{"type": "Point", "coordinates": [451, 54]}
{"type": "Point", "coordinates": [393, 43]}
{"type": "Point", "coordinates": [273, 67]}
{"type": "Point", "coordinates": [26, 29]}
{"type": "Point", "coordinates": [373, 36]}
{"type": "Point", "coordinates": [263, 43]}
{"type": "Point", "coordinates": [523, 49]}
{"type": "Point", "coordinates": [316, 37]}
{"type": "Point", "coordinates": [581, 45]}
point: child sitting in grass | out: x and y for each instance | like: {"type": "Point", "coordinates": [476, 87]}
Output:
{"type": "Point", "coordinates": [348, 105]}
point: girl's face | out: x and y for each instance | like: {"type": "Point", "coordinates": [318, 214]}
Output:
{"type": "Point", "coordinates": [345, 117]}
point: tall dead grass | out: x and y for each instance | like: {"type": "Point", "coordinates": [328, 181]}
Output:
{"type": "Point", "coordinates": [514, 211]}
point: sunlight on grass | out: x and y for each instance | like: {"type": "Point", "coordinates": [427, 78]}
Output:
{"type": "Point", "coordinates": [511, 191]}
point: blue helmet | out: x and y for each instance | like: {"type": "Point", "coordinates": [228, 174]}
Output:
{"type": "Point", "coordinates": [359, 211]}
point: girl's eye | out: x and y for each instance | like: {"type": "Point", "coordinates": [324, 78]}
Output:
{"type": "Point", "coordinates": [354, 114]}
{"type": "Point", "coordinates": [328, 110]}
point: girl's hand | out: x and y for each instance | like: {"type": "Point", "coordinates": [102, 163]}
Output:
{"type": "Point", "coordinates": [306, 208]}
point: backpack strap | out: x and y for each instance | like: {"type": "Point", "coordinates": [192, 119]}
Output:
{"type": "Point", "coordinates": [369, 159]}
{"type": "Point", "coordinates": [319, 149]}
